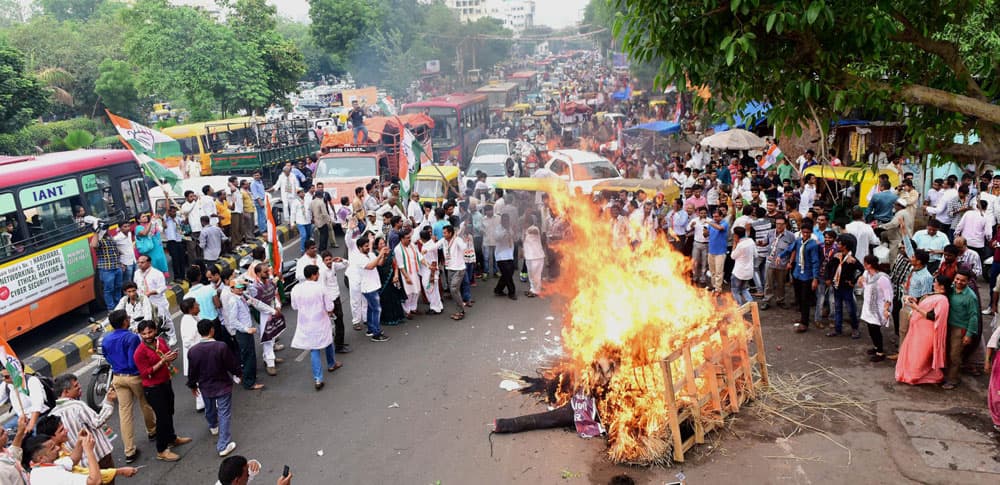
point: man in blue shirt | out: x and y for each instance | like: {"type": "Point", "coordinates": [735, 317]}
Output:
{"type": "Point", "coordinates": [718, 232]}
{"type": "Point", "coordinates": [803, 261]}
{"type": "Point", "coordinates": [881, 207]}
{"type": "Point", "coordinates": [118, 348]}
{"type": "Point", "coordinates": [258, 193]}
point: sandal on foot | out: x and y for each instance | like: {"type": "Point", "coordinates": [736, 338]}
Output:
{"type": "Point", "coordinates": [335, 367]}
{"type": "Point", "coordinates": [457, 316]}
{"type": "Point", "coordinates": [357, 326]}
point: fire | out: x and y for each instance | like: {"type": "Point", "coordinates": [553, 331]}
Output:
{"type": "Point", "coordinates": [627, 311]}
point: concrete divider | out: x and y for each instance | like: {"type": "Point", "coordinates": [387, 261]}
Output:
{"type": "Point", "coordinates": [79, 347]}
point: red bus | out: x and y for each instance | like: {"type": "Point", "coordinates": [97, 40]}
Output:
{"type": "Point", "coordinates": [46, 264]}
{"type": "Point", "coordinates": [460, 121]}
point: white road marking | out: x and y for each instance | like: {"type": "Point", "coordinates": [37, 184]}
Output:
{"type": "Point", "coordinates": [302, 356]}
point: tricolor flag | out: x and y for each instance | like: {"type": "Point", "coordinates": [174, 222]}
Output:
{"type": "Point", "coordinates": [771, 157]}
{"type": "Point", "coordinates": [411, 154]}
{"type": "Point", "coordinates": [385, 105]}
{"type": "Point", "coordinates": [145, 140]}
{"type": "Point", "coordinates": [272, 237]}
{"type": "Point", "coordinates": [149, 145]}
{"type": "Point", "coordinates": [13, 366]}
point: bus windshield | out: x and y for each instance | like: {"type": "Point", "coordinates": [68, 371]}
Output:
{"type": "Point", "coordinates": [342, 167]}
{"type": "Point", "coordinates": [445, 133]}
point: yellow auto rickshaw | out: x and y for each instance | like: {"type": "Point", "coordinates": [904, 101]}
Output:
{"type": "Point", "coordinates": [437, 183]}
{"type": "Point", "coordinates": [651, 187]}
{"type": "Point", "coordinates": [841, 176]}
{"type": "Point", "coordinates": [516, 111]}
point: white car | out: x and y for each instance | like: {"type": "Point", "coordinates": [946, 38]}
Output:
{"type": "Point", "coordinates": [493, 146]}
{"type": "Point", "coordinates": [298, 113]}
{"type": "Point", "coordinates": [581, 169]}
{"type": "Point", "coordinates": [275, 114]}
{"type": "Point", "coordinates": [494, 166]}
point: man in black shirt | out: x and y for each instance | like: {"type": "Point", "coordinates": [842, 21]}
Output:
{"type": "Point", "coordinates": [357, 117]}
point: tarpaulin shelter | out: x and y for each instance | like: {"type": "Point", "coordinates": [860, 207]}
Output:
{"type": "Point", "coordinates": [753, 113]}
{"type": "Point", "coordinates": [656, 128]}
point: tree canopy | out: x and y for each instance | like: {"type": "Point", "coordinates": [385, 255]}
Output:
{"type": "Point", "coordinates": [22, 97]}
{"type": "Point", "coordinates": [933, 64]}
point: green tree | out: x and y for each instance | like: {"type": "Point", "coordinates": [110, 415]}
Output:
{"type": "Point", "coordinates": [22, 97]}
{"type": "Point", "coordinates": [182, 52]}
{"type": "Point", "coordinates": [70, 9]}
{"type": "Point", "coordinates": [318, 61]}
{"type": "Point", "coordinates": [13, 12]}
{"type": "Point", "coordinates": [78, 139]}
{"type": "Point", "coordinates": [116, 88]}
{"type": "Point", "coordinates": [341, 26]}
{"type": "Point", "coordinates": [933, 64]}
{"type": "Point", "coordinates": [254, 23]}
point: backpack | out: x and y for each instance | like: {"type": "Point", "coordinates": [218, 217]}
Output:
{"type": "Point", "coordinates": [49, 386]}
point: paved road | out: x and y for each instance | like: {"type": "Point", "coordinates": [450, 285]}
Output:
{"type": "Point", "coordinates": [443, 377]}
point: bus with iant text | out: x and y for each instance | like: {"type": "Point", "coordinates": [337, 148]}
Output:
{"type": "Point", "coordinates": [49, 207]}
{"type": "Point", "coordinates": [460, 121]}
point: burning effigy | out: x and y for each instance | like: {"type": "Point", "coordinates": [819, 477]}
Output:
{"type": "Point", "coordinates": [648, 359]}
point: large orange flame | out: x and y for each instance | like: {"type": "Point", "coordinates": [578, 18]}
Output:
{"type": "Point", "coordinates": [627, 309]}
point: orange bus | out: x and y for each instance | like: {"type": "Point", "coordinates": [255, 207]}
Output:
{"type": "Point", "coordinates": [46, 264]}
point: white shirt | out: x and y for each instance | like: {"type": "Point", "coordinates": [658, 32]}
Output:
{"type": "Point", "coordinates": [34, 401]}
{"type": "Point", "coordinates": [698, 225]}
{"type": "Point", "coordinates": [306, 260]}
{"type": "Point", "coordinates": [865, 236]}
{"type": "Point", "coordinates": [300, 212]}
{"type": "Point", "coordinates": [312, 325]}
{"type": "Point", "coordinates": [939, 210]}
{"type": "Point", "coordinates": [369, 277]}
{"type": "Point", "coordinates": [328, 278]}
{"type": "Point", "coordinates": [743, 255]}
{"type": "Point", "coordinates": [152, 280]}
{"type": "Point", "coordinates": [415, 212]}
{"type": "Point", "coordinates": [808, 198]}
{"type": "Point", "coordinates": [192, 212]}
{"type": "Point", "coordinates": [126, 248]}
{"type": "Point", "coordinates": [189, 337]}
{"type": "Point", "coordinates": [286, 182]}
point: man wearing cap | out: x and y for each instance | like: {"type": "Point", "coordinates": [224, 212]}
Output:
{"type": "Point", "coordinates": [897, 228]}
{"type": "Point", "coordinates": [239, 323]}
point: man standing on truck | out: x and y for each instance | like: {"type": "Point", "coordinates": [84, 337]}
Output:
{"type": "Point", "coordinates": [357, 117]}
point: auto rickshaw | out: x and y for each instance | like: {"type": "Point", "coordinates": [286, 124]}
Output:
{"type": "Point", "coordinates": [838, 179]}
{"type": "Point", "coordinates": [515, 111]}
{"type": "Point", "coordinates": [437, 183]}
{"type": "Point", "coordinates": [651, 187]}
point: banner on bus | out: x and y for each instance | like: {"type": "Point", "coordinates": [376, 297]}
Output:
{"type": "Point", "coordinates": [35, 277]}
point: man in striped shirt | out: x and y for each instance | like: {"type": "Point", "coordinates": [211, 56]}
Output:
{"type": "Point", "coordinates": [76, 415]}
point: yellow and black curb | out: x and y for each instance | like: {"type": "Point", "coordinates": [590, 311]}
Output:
{"type": "Point", "coordinates": [79, 347]}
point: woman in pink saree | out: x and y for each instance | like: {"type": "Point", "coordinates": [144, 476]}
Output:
{"type": "Point", "coordinates": [993, 399]}
{"type": "Point", "coordinates": [924, 352]}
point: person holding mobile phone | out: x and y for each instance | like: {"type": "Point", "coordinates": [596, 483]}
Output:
{"type": "Point", "coordinates": [155, 362]}
{"type": "Point", "coordinates": [237, 470]}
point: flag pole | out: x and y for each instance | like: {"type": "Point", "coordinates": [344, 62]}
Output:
{"type": "Point", "coordinates": [143, 165]}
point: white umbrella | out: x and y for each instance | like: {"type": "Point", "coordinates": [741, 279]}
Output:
{"type": "Point", "coordinates": [734, 140]}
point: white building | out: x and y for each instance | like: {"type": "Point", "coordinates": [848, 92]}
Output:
{"type": "Point", "coordinates": [516, 15]}
{"type": "Point", "coordinates": [468, 10]}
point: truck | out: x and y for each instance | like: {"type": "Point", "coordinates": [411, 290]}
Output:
{"type": "Point", "coordinates": [345, 164]}
{"type": "Point", "coordinates": [264, 146]}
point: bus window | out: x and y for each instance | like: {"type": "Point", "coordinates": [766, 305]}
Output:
{"type": "Point", "coordinates": [48, 208]}
{"type": "Point", "coordinates": [11, 232]}
{"type": "Point", "coordinates": [139, 196]}
{"type": "Point", "coordinates": [133, 198]}
{"type": "Point", "coordinates": [97, 194]}
{"type": "Point", "coordinates": [189, 145]}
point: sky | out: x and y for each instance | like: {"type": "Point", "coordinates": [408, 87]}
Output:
{"type": "Point", "coordinates": [554, 13]}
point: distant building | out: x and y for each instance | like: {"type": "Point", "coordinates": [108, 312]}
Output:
{"type": "Point", "coordinates": [515, 15]}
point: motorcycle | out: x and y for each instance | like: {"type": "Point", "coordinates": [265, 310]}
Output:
{"type": "Point", "coordinates": [287, 273]}
{"type": "Point", "coordinates": [100, 381]}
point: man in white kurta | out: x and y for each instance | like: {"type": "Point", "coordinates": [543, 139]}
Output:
{"type": "Point", "coordinates": [407, 260]}
{"type": "Point", "coordinates": [287, 184]}
{"type": "Point", "coordinates": [153, 284]}
{"type": "Point", "coordinates": [430, 271]}
{"type": "Point", "coordinates": [356, 260]}
{"type": "Point", "coordinates": [312, 329]}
